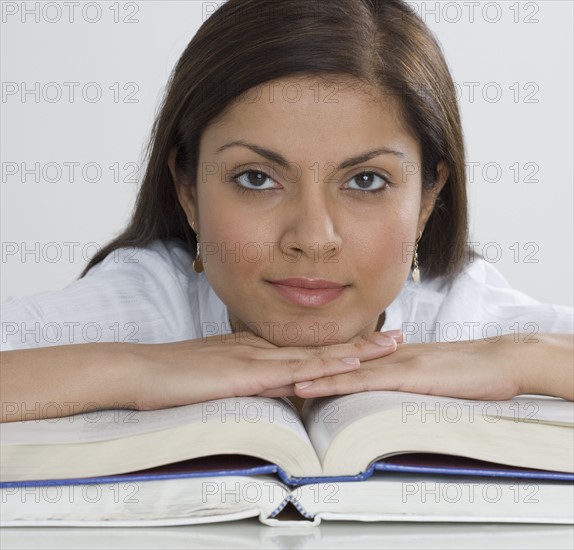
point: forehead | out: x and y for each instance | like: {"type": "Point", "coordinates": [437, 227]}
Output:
{"type": "Point", "coordinates": [314, 113]}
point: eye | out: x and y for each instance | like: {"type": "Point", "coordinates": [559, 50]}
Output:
{"type": "Point", "coordinates": [254, 179]}
{"type": "Point", "coordinates": [368, 181]}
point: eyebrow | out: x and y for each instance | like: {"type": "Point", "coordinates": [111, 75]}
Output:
{"type": "Point", "coordinates": [279, 159]}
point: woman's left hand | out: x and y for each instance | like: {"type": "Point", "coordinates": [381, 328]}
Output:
{"type": "Point", "coordinates": [479, 369]}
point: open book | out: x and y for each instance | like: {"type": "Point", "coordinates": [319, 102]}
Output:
{"type": "Point", "coordinates": [352, 442]}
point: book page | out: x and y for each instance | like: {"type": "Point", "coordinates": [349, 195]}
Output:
{"type": "Point", "coordinates": [120, 423]}
{"type": "Point", "coordinates": [538, 408]}
{"type": "Point", "coordinates": [324, 418]}
{"type": "Point", "coordinates": [130, 441]}
{"type": "Point", "coordinates": [183, 500]}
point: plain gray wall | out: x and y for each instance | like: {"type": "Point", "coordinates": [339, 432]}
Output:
{"type": "Point", "coordinates": [516, 58]}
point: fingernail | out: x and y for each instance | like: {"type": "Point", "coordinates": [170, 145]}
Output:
{"type": "Point", "coordinates": [351, 360]}
{"type": "Point", "coordinates": [301, 385]}
{"type": "Point", "coordinates": [383, 340]}
{"type": "Point", "coordinates": [395, 333]}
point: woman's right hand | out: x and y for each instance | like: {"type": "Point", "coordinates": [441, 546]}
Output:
{"type": "Point", "coordinates": [242, 364]}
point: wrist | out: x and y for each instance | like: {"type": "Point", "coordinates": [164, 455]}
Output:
{"type": "Point", "coordinates": [519, 362]}
{"type": "Point", "coordinates": [139, 369]}
{"type": "Point", "coordinates": [545, 366]}
{"type": "Point", "coordinates": [503, 359]}
{"type": "Point", "coordinates": [119, 375]}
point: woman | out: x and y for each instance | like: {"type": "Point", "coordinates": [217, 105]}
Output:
{"type": "Point", "coordinates": [304, 204]}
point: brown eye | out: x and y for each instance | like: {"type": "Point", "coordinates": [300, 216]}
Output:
{"type": "Point", "coordinates": [254, 179]}
{"type": "Point", "coordinates": [368, 181]}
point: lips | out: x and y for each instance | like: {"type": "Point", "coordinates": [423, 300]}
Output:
{"type": "Point", "coordinates": [308, 292]}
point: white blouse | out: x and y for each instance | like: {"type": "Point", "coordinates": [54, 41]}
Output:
{"type": "Point", "coordinates": [152, 295]}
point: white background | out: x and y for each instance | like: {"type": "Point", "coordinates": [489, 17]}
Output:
{"type": "Point", "coordinates": [524, 227]}
{"type": "Point", "coordinates": [108, 132]}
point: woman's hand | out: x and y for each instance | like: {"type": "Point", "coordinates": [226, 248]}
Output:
{"type": "Point", "coordinates": [480, 369]}
{"type": "Point", "coordinates": [58, 381]}
{"type": "Point", "coordinates": [242, 364]}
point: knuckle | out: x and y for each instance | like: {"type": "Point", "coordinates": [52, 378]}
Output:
{"type": "Point", "coordinates": [360, 341]}
{"type": "Point", "coordinates": [316, 351]}
{"type": "Point", "coordinates": [332, 381]}
{"type": "Point", "coordinates": [293, 364]}
{"type": "Point", "coordinates": [324, 366]}
{"type": "Point", "coordinates": [363, 378]}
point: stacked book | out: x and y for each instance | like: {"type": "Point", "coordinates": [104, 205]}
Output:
{"type": "Point", "coordinates": [372, 456]}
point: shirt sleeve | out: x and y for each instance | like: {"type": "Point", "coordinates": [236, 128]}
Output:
{"type": "Point", "coordinates": [482, 304]}
{"type": "Point", "coordinates": [137, 295]}
{"type": "Point", "coordinates": [496, 308]}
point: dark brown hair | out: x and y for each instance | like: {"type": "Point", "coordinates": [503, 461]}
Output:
{"type": "Point", "coordinates": [382, 43]}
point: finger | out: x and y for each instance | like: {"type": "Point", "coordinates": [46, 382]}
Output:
{"type": "Point", "coordinates": [361, 380]}
{"type": "Point", "coordinates": [283, 391]}
{"type": "Point", "coordinates": [269, 375]}
{"type": "Point", "coordinates": [376, 344]}
{"type": "Point", "coordinates": [240, 337]}
{"type": "Point", "coordinates": [365, 347]}
{"type": "Point", "coordinates": [396, 333]}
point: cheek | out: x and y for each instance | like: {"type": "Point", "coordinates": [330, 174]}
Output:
{"type": "Point", "coordinates": [384, 245]}
{"type": "Point", "coordinates": [232, 242]}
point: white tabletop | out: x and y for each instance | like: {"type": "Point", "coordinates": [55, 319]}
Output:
{"type": "Point", "coordinates": [251, 534]}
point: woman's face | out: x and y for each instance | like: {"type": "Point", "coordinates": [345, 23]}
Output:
{"type": "Point", "coordinates": [307, 204]}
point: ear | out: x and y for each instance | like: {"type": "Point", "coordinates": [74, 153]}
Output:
{"type": "Point", "coordinates": [428, 198]}
{"type": "Point", "coordinates": [185, 191]}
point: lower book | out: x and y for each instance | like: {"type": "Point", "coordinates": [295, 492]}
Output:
{"type": "Point", "coordinates": [374, 456]}
{"type": "Point", "coordinates": [414, 487]}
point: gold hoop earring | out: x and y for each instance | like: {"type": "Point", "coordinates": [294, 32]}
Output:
{"type": "Point", "coordinates": [416, 274]}
{"type": "Point", "coordinates": [197, 263]}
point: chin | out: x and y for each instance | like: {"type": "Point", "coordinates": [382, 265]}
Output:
{"type": "Point", "coordinates": [300, 331]}
{"type": "Point", "coordinates": [314, 334]}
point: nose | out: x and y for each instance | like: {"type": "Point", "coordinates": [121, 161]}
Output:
{"type": "Point", "coordinates": [311, 228]}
